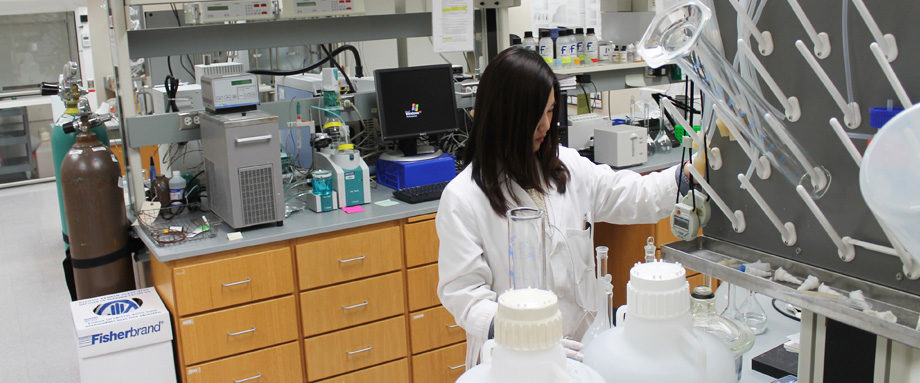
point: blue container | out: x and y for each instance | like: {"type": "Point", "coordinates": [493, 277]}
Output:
{"type": "Point", "coordinates": [401, 175]}
{"type": "Point", "coordinates": [322, 182]}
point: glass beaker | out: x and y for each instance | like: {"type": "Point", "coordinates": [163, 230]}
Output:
{"type": "Point", "coordinates": [527, 247]}
{"type": "Point", "coordinates": [322, 182]}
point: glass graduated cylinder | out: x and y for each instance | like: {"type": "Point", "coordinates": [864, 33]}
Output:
{"type": "Point", "coordinates": [527, 247]}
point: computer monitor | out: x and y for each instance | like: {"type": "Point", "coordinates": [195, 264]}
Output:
{"type": "Point", "coordinates": [415, 102]}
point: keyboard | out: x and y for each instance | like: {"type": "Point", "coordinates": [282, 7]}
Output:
{"type": "Point", "coordinates": [421, 193]}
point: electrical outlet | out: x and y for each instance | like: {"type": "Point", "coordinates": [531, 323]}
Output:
{"type": "Point", "coordinates": [189, 120]}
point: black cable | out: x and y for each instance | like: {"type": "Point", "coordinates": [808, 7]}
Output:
{"type": "Point", "coordinates": [784, 313]}
{"type": "Point", "coordinates": [171, 84]}
{"type": "Point", "coordinates": [179, 24]}
{"type": "Point", "coordinates": [169, 65]}
{"type": "Point", "coordinates": [359, 69]}
{"type": "Point", "coordinates": [351, 87]}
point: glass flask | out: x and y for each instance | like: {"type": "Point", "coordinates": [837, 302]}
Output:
{"type": "Point", "coordinates": [738, 337]}
{"type": "Point", "coordinates": [751, 314]}
{"type": "Point", "coordinates": [677, 35]}
{"type": "Point", "coordinates": [603, 300]}
{"type": "Point", "coordinates": [527, 247]}
{"type": "Point", "coordinates": [322, 182]}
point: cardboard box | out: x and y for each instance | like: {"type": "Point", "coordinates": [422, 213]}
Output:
{"type": "Point", "coordinates": [124, 335]}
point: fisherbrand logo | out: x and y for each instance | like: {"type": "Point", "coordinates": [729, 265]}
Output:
{"type": "Point", "coordinates": [129, 333]}
{"type": "Point", "coordinates": [413, 111]}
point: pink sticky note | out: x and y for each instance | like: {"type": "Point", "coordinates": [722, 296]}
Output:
{"type": "Point", "coordinates": [353, 209]}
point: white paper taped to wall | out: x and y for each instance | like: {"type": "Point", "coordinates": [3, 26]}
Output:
{"type": "Point", "coordinates": [452, 25]}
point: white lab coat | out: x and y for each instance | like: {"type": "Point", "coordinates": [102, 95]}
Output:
{"type": "Point", "coordinates": [473, 254]}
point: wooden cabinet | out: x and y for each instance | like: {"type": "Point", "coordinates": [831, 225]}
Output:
{"type": "Point", "coordinates": [440, 366]}
{"type": "Point", "coordinates": [433, 328]}
{"type": "Point", "coordinates": [421, 243]}
{"type": "Point", "coordinates": [423, 287]}
{"type": "Point", "coordinates": [279, 364]}
{"type": "Point", "coordinates": [238, 279]}
{"type": "Point", "coordinates": [397, 371]}
{"type": "Point", "coordinates": [231, 331]}
{"type": "Point", "coordinates": [355, 348]}
{"type": "Point", "coordinates": [348, 304]}
{"type": "Point", "coordinates": [358, 254]}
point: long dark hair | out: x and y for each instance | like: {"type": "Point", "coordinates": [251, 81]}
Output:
{"type": "Point", "coordinates": [510, 100]}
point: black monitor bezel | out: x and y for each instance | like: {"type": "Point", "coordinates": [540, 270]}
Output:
{"type": "Point", "coordinates": [380, 109]}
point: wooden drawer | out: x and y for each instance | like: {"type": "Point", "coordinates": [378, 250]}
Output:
{"type": "Point", "coordinates": [355, 348]}
{"type": "Point", "coordinates": [349, 304]}
{"type": "Point", "coordinates": [421, 243]}
{"type": "Point", "coordinates": [280, 364]}
{"type": "Point", "coordinates": [326, 261]}
{"type": "Point", "coordinates": [393, 372]}
{"type": "Point", "coordinates": [231, 331]}
{"type": "Point", "coordinates": [433, 328]}
{"type": "Point", "coordinates": [423, 287]}
{"type": "Point", "coordinates": [443, 365]}
{"type": "Point", "coordinates": [239, 279]}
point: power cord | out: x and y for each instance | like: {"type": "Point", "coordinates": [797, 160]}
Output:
{"type": "Point", "coordinates": [351, 87]}
{"type": "Point", "coordinates": [172, 89]}
{"type": "Point", "coordinates": [359, 69]}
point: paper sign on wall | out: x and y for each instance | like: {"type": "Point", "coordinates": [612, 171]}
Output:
{"type": "Point", "coordinates": [452, 25]}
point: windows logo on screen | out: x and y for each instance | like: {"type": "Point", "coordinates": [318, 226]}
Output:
{"type": "Point", "coordinates": [413, 111]}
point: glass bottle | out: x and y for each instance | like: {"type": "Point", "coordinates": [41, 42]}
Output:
{"type": "Point", "coordinates": [527, 247]}
{"type": "Point", "coordinates": [738, 337]}
{"type": "Point", "coordinates": [603, 300]}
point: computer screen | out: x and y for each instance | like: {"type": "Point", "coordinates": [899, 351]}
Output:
{"type": "Point", "coordinates": [415, 101]}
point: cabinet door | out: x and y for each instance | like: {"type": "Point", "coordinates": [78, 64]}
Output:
{"type": "Point", "coordinates": [421, 243]}
{"type": "Point", "coordinates": [240, 329]}
{"type": "Point", "coordinates": [280, 364]}
{"type": "Point", "coordinates": [433, 328]}
{"type": "Point", "coordinates": [230, 281]}
{"type": "Point", "coordinates": [361, 254]}
{"type": "Point", "coordinates": [443, 365]}
{"type": "Point", "coordinates": [393, 372]}
{"type": "Point", "coordinates": [332, 308]}
{"type": "Point", "coordinates": [423, 287]}
{"type": "Point", "coordinates": [355, 348]}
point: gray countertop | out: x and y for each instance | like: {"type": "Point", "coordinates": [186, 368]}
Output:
{"type": "Point", "coordinates": [307, 223]}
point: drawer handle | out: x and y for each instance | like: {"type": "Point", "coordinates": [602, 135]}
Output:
{"type": "Point", "coordinates": [368, 348]}
{"type": "Point", "coordinates": [248, 140]}
{"type": "Point", "coordinates": [362, 304]}
{"type": "Point", "coordinates": [452, 326]}
{"type": "Point", "coordinates": [253, 329]}
{"type": "Point", "coordinates": [247, 280]}
{"type": "Point", "coordinates": [257, 376]}
{"type": "Point", "coordinates": [361, 258]}
{"type": "Point", "coordinates": [456, 367]}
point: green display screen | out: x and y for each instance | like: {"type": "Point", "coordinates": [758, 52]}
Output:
{"type": "Point", "coordinates": [307, 4]}
{"type": "Point", "coordinates": [219, 8]}
{"type": "Point", "coordinates": [241, 82]}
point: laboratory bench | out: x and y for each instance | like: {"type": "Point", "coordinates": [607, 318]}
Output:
{"type": "Point", "coordinates": [330, 297]}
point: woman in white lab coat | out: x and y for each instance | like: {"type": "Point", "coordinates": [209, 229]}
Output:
{"type": "Point", "coordinates": [514, 159]}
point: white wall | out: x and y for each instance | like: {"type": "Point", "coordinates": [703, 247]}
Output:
{"type": "Point", "coordinates": [19, 7]}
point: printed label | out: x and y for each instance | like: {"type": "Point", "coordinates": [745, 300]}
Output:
{"type": "Point", "coordinates": [98, 148]}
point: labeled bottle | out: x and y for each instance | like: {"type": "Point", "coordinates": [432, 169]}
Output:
{"type": "Point", "coordinates": [573, 48]}
{"type": "Point", "coordinates": [563, 58]}
{"type": "Point", "coordinates": [630, 53]}
{"type": "Point", "coordinates": [546, 47]}
{"type": "Point", "coordinates": [176, 187]}
{"type": "Point", "coordinates": [591, 47]}
{"type": "Point", "coordinates": [515, 40]}
{"type": "Point", "coordinates": [580, 46]}
{"type": "Point", "coordinates": [529, 42]}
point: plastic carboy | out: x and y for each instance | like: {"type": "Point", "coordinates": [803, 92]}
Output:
{"type": "Point", "coordinates": [526, 348]}
{"type": "Point", "coordinates": [737, 337]}
{"type": "Point", "coordinates": [656, 341]}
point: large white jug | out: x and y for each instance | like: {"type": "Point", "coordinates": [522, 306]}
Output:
{"type": "Point", "coordinates": [528, 328]}
{"type": "Point", "coordinates": [656, 341]}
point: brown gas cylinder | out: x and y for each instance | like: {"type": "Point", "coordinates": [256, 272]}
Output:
{"type": "Point", "coordinates": [95, 207]}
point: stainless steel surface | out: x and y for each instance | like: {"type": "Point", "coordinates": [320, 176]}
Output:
{"type": "Point", "coordinates": [657, 161]}
{"type": "Point", "coordinates": [160, 42]}
{"type": "Point", "coordinates": [368, 348]}
{"type": "Point", "coordinates": [253, 329]}
{"type": "Point", "coordinates": [720, 259]}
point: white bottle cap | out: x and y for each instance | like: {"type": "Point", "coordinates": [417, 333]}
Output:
{"type": "Point", "coordinates": [330, 83]}
{"type": "Point", "coordinates": [177, 173]}
{"type": "Point", "coordinates": [528, 320]}
{"type": "Point", "coordinates": [657, 290]}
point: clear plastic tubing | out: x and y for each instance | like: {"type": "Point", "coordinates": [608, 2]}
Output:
{"type": "Point", "coordinates": [676, 36]}
{"type": "Point", "coordinates": [527, 248]}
